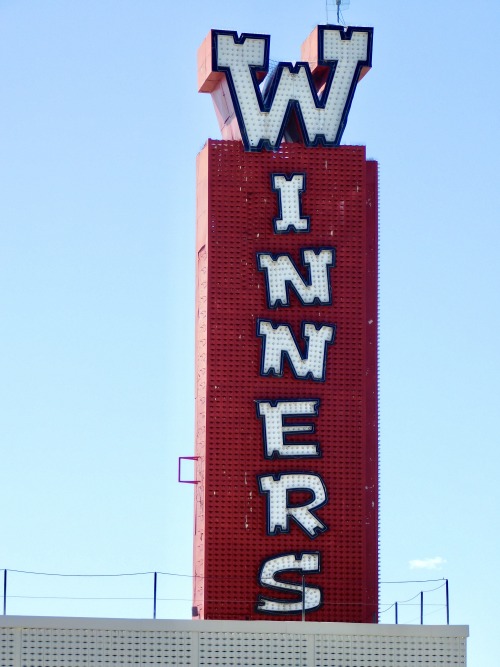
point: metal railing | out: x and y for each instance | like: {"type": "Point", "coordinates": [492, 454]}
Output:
{"type": "Point", "coordinates": [183, 604]}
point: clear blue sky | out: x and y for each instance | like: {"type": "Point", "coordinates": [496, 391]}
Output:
{"type": "Point", "coordinates": [100, 124]}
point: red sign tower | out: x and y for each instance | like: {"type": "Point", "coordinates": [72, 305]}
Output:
{"type": "Point", "coordinates": [286, 508]}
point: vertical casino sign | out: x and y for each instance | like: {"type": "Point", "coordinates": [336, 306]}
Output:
{"type": "Point", "coordinates": [286, 500]}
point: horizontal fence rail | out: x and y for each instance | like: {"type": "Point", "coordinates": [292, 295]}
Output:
{"type": "Point", "coordinates": [144, 588]}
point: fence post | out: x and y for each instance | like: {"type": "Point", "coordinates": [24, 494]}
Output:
{"type": "Point", "coordinates": [155, 581]}
{"type": "Point", "coordinates": [447, 603]}
{"type": "Point", "coordinates": [5, 592]}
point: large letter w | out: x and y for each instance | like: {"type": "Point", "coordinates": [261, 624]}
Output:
{"type": "Point", "coordinates": [343, 55]}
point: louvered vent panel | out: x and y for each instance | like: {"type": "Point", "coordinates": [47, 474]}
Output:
{"type": "Point", "coordinates": [232, 649]}
{"type": "Point", "coordinates": [89, 648]}
{"type": "Point", "coordinates": [376, 651]}
{"type": "Point", "coordinates": [7, 647]}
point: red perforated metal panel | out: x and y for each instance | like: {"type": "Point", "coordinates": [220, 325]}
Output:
{"type": "Point", "coordinates": [236, 208]}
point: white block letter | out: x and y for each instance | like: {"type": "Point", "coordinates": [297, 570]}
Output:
{"type": "Point", "coordinates": [280, 508]}
{"type": "Point", "coordinates": [262, 121]}
{"type": "Point", "coordinates": [289, 189]}
{"type": "Point", "coordinates": [301, 563]}
{"type": "Point", "coordinates": [279, 342]}
{"type": "Point", "coordinates": [281, 274]}
{"type": "Point", "coordinates": [275, 429]}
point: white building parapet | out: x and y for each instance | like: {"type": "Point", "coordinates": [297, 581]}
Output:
{"type": "Point", "coordinates": [27, 641]}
